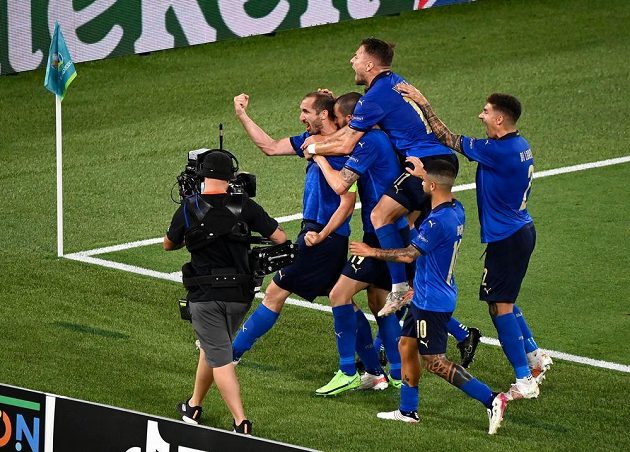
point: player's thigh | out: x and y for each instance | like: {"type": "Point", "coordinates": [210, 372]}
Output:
{"type": "Point", "coordinates": [386, 211]}
{"type": "Point", "coordinates": [376, 298]}
{"type": "Point", "coordinates": [344, 289]}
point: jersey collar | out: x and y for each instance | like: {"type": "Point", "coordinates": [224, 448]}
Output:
{"type": "Point", "coordinates": [444, 205]}
{"type": "Point", "coordinates": [510, 135]}
{"type": "Point", "coordinates": [378, 77]}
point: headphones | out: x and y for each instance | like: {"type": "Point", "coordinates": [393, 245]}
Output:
{"type": "Point", "coordinates": [235, 167]}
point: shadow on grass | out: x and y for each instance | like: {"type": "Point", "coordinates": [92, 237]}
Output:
{"type": "Point", "coordinates": [91, 330]}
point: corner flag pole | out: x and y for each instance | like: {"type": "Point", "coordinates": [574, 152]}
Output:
{"type": "Point", "coordinates": [60, 72]}
{"type": "Point", "coordinates": [59, 176]}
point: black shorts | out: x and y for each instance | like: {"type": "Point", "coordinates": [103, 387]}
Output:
{"type": "Point", "coordinates": [317, 268]}
{"type": "Point", "coordinates": [215, 323]}
{"type": "Point", "coordinates": [367, 269]}
{"type": "Point", "coordinates": [506, 264]}
{"type": "Point", "coordinates": [429, 328]}
{"type": "Point", "coordinates": [407, 189]}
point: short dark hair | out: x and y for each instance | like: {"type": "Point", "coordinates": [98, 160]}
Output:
{"type": "Point", "coordinates": [347, 102]}
{"type": "Point", "coordinates": [441, 169]}
{"type": "Point", "coordinates": [323, 102]}
{"type": "Point", "coordinates": [383, 51]}
{"type": "Point", "coordinates": [506, 104]}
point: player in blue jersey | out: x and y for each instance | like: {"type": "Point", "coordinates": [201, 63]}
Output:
{"type": "Point", "coordinates": [434, 248]}
{"type": "Point", "coordinates": [505, 169]}
{"type": "Point", "coordinates": [373, 166]}
{"type": "Point", "coordinates": [410, 134]}
{"type": "Point", "coordinates": [323, 241]}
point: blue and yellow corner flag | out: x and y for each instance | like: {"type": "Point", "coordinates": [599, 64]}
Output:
{"type": "Point", "coordinates": [60, 69]}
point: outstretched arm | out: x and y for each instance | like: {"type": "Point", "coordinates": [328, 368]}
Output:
{"type": "Point", "coordinates": [440, 130]}
{"type": "Point", "coordinates": [342, 142]}
{"type": "Point", "coordinates": [404, 255]}
{"type": "Point", "coordinates": [345, 209]}
{"type": "Point", "coordinates": [339, 181]}
{"type": "Point", "coordinates": [260, 138]}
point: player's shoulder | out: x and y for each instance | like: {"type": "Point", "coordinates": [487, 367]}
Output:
{"type": "Point", "coordinates": [375, 136]}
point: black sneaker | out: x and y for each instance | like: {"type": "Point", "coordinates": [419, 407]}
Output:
{"type": "Point", "coordinates": [359, 365]}
{"type": "Point", "coordinates": [244, 427]}
{"type": "Point", "coordinates": [468, 346]}
{"type": "Point", "coordinates": [190, 414]}
{"type": "Point", "coordinates": [382, 357]}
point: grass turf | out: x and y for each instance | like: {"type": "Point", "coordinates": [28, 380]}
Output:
{"type": "Point", "coordinates": [114, 338]}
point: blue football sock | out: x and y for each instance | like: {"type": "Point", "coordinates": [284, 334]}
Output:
{"type": "Point", "coordinates": [378, 342]}
{"type": "Point", "coordinates": [346, 334]}
{"type": "Point", "coordinates": [480, 391]}
{"type": "Point", "coordinates": [365, 349]}
{"type": "Point", "coordinates": [528, 337]}
{"type": "Point", "coordinates": [409, 398]}
{"type": "Point", "coordinates": [389, 237]}
{"type": "Point", "coordinates": [511, 340]}
{"type": "Point", "coordinates": [254, 327]}
{"type": "Point", "coordinates": [457, 330]}
{"type": "Point", "coordinates": [389, 329]}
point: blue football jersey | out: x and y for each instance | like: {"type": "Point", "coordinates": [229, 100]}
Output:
{"type": "Point", "coordinates": [377, 165]}
{"type": "Point", "coordinates": [438, 240]}
{"type": "Point", "coordinates": [399, 117]}
{"type": "Point", "coordinates": [504, 180]}
{"type": "Point", "coordinates": [319, 201]}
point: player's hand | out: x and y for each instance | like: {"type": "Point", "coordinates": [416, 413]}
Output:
{"type": "Point", "coordinates": [312, 238]}
{"type": "Point", "coordinates": [414, 166]}
{"type": "Point", "coordinates": [326, 91]}
{"type": "Point", "coordinates": [408, 296]}
{"type": "Point", "coordinates": [410, 91]}
{"type": "Point", "coordinates": [307, 142]}
{"type": "Point", "coordinates": [240, 103]}
{"type": "Point", "coordinates": [360, 249]}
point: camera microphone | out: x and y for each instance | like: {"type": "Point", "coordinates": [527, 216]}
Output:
{"type": "Point", "coordinates": [221, 136]}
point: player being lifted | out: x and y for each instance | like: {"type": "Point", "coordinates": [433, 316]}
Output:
{"type": "Point", "coordinates": [407, 128]}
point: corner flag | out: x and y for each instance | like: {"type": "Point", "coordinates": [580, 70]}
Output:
{"type": "Point", "coordinates": [59, 74]}
{"type": "Point", "coordinates": [60, 69]}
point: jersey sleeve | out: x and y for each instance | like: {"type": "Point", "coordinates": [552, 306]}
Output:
{"type": "Point", "coordinates": [429, 236]}
{"type": "Point", "coordinates": [480, 150]}
{"type": "Point", "coordinates": [366, 115]}
{"type": "Point", "coordinates": [177, 228]}
{"type": "Point", "coordinates": [258, 220]}
{"type": "Point", "coordinates": [297, 141]}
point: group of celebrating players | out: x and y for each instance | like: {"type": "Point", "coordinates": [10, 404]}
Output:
{"type": "Point", "coordinates": [412, 230]}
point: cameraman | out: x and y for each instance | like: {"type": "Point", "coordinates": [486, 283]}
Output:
{"type": "Point", "coordinates": [215, 225]}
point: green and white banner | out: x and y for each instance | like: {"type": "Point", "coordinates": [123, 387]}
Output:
{"type": "Point", "coordinates": [97, 29]}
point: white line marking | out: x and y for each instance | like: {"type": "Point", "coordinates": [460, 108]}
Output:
{"type": "Point", "coordinates": [298, 216]}
{"type": "Point", "coordinates": [86, 256]}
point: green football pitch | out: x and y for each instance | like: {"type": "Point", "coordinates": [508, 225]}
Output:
{"type": "Point", "coordinates": [114, 337]}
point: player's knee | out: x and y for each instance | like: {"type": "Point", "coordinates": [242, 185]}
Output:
{"type": "Point", "coordinates": [274, 298]}
{"type": "Point", "coordinates": [378, 217]}
{"type": "Point", "coordinates": [338, 296]}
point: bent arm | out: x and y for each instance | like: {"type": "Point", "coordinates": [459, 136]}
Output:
{"type": "Point", "coordinates": [278, 236]}
{"type": "Point", "coordinates": [262, 140]}
{"type": "Point", "coordinates": [342, 142]}
{"type": "Point", "coordinates": [345, 209]}
{"type": "Point", "coordinates": [440, 129]}
{"type": "Point", "coordinates": [169, 245]}
{"type": "Point", "coordinates": [403, 255]}
{"type": "Point", "coordinates": [339, 181]}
